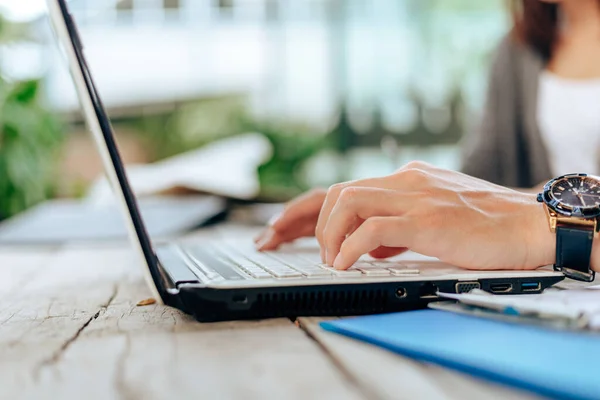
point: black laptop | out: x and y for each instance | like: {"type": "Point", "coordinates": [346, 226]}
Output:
{"type": "Point", "coordinates": [229, 279]}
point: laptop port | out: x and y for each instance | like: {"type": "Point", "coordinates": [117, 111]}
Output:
{"type": "Point", "coordinates": [466, 287]}
{"type": "Point", "coordinates": [400, 292]}
{"type": "Point", "coordinates": [428, 291]}
{"type": "Point", "coordinates": [531, 286]}
{"type": "Point", "coordinates": [501, 288]}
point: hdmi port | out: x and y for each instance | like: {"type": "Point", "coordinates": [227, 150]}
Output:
{"type": "Point", "coordinates": [501, 288]}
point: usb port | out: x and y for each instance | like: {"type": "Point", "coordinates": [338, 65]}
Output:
{"type": "Point", "coordinates": [531, 286]}
{"type": "Point", "coordinates": [501, 288]}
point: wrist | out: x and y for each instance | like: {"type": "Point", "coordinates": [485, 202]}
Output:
{"type": "Point", "coordinates": [543, 246]}
{"type": "Point", "coordinates": [543, 240]}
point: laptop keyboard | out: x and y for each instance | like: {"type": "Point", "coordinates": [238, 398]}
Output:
{"type": "Point", "coordinates": [222, 261]}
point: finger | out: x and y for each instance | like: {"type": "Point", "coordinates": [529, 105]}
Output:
{"type": "Point", "coordinates": [330, 201]}
{"type": "Point", "coordinates": [387, 252]}
{"type": "Point", "coordinates": [359, 204]}
{"type": "Point", "coordinates": [373, 233]}
{"type": "Point", "coordinates": [258, 238]}
{"type": "Point", "coordinates": [273, 239]}
{"type": "Point", "coordinates": [302, 207]}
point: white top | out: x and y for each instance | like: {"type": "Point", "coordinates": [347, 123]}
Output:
{"type": "Point", "coordinates": [569, 119]}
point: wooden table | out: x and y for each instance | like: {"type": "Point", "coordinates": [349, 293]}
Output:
{"type": "Point", "coordinates": [70, 329]}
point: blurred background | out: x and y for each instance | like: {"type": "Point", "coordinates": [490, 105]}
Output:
{"type": "Point", "coordinates": [342, 89]}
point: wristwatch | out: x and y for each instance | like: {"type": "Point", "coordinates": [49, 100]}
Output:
{"type": "Point", "coordinates": [572, 204]}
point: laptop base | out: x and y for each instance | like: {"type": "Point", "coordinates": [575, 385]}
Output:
{"type": "Point", "coordinates": [211, 305]}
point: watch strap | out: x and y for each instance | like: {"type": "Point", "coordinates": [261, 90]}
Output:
{"type": "Point", "coordinates": [574, 251]}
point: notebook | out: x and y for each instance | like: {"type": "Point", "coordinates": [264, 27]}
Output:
{"type": "Point", "coordinates": [553, 363]}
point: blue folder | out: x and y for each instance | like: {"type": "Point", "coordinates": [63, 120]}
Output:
{"type": "Point", "coordinates": [552, 363]}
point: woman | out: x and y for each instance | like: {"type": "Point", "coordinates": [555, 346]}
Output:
{"type": "Point", "coordinates": [542, 116]}
{"type": "Point", "coordinates": [542, 119]}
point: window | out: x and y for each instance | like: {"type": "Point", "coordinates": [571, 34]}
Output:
{"type": "Point", "coordinates": [124, 5]}
{"type": "Point", "coordinates": [226, 5]}
{"type": "Point", "coordinates": [171, 4]}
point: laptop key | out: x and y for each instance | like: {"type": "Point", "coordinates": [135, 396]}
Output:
{"type": "Point", "coordinates": [312, 258]}
{"type": "Point", "coordinates": [289, 259]}
{"type": "Point", "coordinates": [259, 274]}
{"type": "Point", "coordinates": [349, 273]}
{"type": "Point", "coordinates": [263, 260]}
{"type": "Point", "coordinates": [374, 271]}
{"type": "Point", "coordinates": [176, 267]}
{"type": "Point", "coordinates": [213, 263]}
{"type": "Point", "coordinates": [312, 271]}
{"type": "Point", "coordinates": [240, 261]}
{"type": "Point", "coordinates": [280, 273]}
{"type": "Point", "coordinates": [399, 271]}
{"type": "Point", "coordinates": [202, 270]}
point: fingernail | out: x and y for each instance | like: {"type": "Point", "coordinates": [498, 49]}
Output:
{"type": "Point", "coordinates": [259, 237]}
{"type": "Point", "coordinates": [266, 239]}
{"type": "Point", "coordinates": [338, 263]}
{"type": "Point", "coordinates": [274, 219]}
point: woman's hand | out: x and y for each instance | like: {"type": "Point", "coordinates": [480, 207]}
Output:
{"type": "Point", "coordinates": [299, 219]}
{"type": "Point", "coordinates": [461, 220]}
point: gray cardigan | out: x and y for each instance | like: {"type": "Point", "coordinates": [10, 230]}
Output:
{"type": "Point", "coordinates": [507, 148]}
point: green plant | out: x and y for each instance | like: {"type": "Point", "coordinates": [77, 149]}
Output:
{"type": "Point", "coordinates": [30, 137]}
{"type": "Point", "coordinates": [293, 146]}
{"type": "Point", "coordinates": [190, 125]}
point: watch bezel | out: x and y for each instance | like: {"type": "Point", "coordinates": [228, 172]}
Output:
{"type": "Point", "coordinates": [564, 209]}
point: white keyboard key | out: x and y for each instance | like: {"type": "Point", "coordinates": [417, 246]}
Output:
{"type": "Point", "coordinates": [363, 264]}
{"type": "Point", "coordinates": [260, 274]}
{"type": "Point", "coordinates": [279, 268]}
{"type": "Point", "coordinates": [264, 260]}
{"type": "Point", "coordinates": [349, 273]}
{"type": "Point", "coordinates": [240, 261]}
{"type": "Point", "coordinates": [399, 271]}
{"type": "Point", "coordinates": [253, 268]}
{"type": "Point", "coordinates": [375, 271]}
{"type": "Point", "coordinates": [285, 273]}
{"type": "Point", "coordinates": [387, 264]}
{"type": "Point", "coordinates": [312, 258]}
{"type": "Point", "coordinates": [288, 259]}
{"type": "Point", "coordinates": [202, 269]}
{"type": "Point", "coordinates": [312, 271]}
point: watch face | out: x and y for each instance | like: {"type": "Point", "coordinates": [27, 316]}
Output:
{"type": "Point", "coordinates": [581, 191]}
{"type": "Point", "coordinates": [577, 195]}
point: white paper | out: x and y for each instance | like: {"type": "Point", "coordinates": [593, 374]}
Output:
{"type": "Point", "coordinates": [570, 304]}
{"type": "Point", "coordinates": [225, 168]}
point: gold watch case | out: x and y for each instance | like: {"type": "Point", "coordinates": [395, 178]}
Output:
{"type": "Point", "coordinates": [559, 212]}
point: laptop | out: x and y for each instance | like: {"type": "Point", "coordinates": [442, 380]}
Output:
{"type": "Point", "coordinates": [228, 279]}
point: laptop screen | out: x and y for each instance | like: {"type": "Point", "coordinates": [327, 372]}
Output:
{"type": "Point", "coordinates": [100, 126]}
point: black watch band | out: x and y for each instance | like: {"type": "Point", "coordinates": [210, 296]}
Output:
{"type": "Point", "coordinates": [574, 251]}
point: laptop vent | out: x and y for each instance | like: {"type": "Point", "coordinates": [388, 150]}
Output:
{"type": "Point", "coordinates": [322, 302]}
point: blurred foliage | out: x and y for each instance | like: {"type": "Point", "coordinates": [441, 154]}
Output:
{"type": "Point", "coordinates": [293, 145]}
{"type": "Point", "coordinates": [30, 137]}
{"type": "Point", "coordinates": [193, 125]}
{"type": "Point", "coordinates": [14, 32]}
